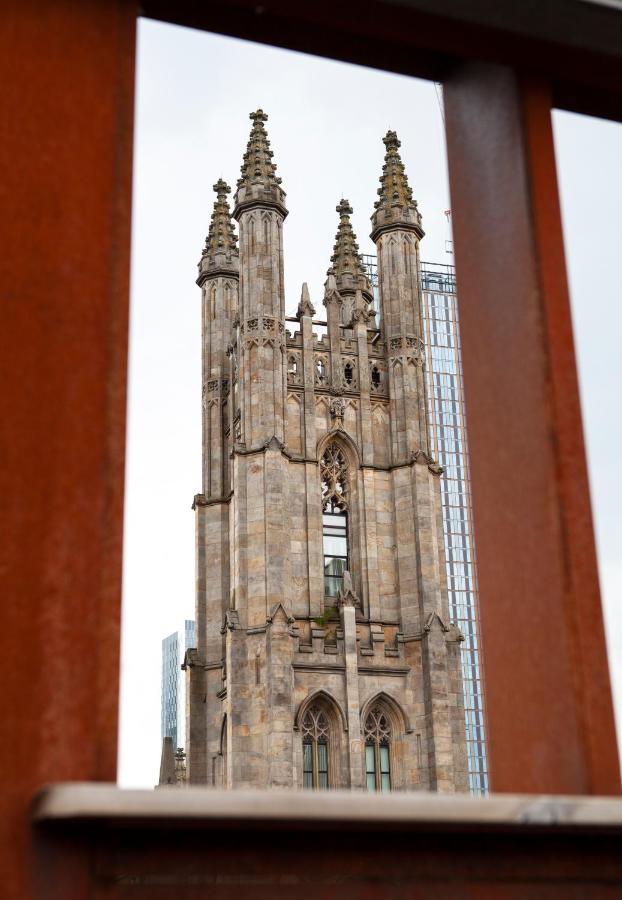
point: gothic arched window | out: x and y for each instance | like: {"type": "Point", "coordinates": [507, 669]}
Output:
{"type": "Point", "coordinates": [378, 750]}
{"type": "Point", "coordinates": [334, 477]}
{"type": "Point", "coordinates": [348, 374]}
{"type": "Point", "coordinates": [315, 740]}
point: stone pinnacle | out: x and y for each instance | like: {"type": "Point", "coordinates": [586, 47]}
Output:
{"type": "Point", "coordinates": [395, 206]}
{"type": "Point", "coordinates": [257, 165]}
{"type": "Point", "coordinates": [221, 237]}
{"type": "Point", "coordinates": [346, 259]}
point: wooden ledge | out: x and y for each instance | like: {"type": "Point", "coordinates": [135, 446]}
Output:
{"type": "Point", "coordinates": [166, 807]}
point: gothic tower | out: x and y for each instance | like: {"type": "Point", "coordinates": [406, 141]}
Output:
{"type": "Point", "coordinates": [325, 656]}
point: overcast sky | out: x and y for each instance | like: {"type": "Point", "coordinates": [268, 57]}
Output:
{"type": "Point", "coordinates": [326, 123]}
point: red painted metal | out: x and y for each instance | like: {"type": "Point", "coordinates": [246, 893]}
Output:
{"type": "Point", "coordinates": [66, 113]}
{"type": "Point", "coordinates": [573, 45]}
{"type": "Point", "coordinates": [550, 719]}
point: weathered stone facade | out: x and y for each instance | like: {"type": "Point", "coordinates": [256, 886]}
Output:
{"type": "Point", "coordinates": [302, 678]}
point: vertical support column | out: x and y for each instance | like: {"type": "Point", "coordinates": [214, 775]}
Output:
{"type": "Point", "coordinates": [355, 747]}
{"type": "Point", "coordinates": [542, 628]}
{"type": "Point", "coordinates": [66, 165]}
{"type": "Point", "coordinates": [279, 701]}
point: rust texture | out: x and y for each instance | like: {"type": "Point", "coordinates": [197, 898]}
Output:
{"type": "Point", "coordinates": [67, 71]}
{"type": "Point", "coordinates": [575, 46]}
{"type": "Point", "coordinates": [337, 861]}
{"type": "Point", "coordinates": [548, 700]}
{"type": "Point", "coordinates": [67, 75]}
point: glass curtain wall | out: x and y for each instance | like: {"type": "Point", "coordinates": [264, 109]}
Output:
{"type": "Point", "coordinates": [449, 445]}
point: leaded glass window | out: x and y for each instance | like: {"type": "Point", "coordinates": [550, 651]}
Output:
{"type": "Point", "coordinates": [315, 738]}
{"type": "Point", "coordinates": [378, 750]}
{"type": "Point", "coordinates": [334, 475]}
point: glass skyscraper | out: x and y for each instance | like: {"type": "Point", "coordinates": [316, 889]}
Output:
{"type": "Point", "coordinates": [449, 444]}
{"type": "Point", "coordinates": [173, 705]}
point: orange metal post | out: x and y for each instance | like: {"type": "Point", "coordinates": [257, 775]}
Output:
{"type": "Point", "coordinates": [66, 109]}
{"type": "Point", "coordinates": [548, 700]}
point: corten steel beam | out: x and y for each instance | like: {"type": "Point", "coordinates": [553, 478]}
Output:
{"type": "Point", "coordinates": [573, 44]}
{"type": "Point", "coordinates": [200, 843]}
{"type": "Point", "coordinates": [66, 111]}
{"type": "Point", "coordinates": [548, 700]}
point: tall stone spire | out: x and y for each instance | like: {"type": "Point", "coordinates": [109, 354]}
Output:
{"type": "Point", "coordinates": [258, 183]}
{"type": "Point", "coordinates": [221, 245]}
{"type": "Point", "coordinates": [395, 207]}
{"type": "Point", "coordinates": [346, 263]}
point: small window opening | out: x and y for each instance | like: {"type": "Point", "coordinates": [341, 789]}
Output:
{"type": "Point", "coordinates": [320, 367]}
{"type": "Point", "coordinates": [348, 373]}
{"type": "Point", "coordinates": [375, 376]}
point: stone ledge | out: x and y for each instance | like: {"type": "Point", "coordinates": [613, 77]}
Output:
{"type": "Point", "coordinates": [81, 802]}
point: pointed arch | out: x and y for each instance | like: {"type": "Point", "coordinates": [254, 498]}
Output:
{"type": "Point", "coordinates": [320, 696]}
{"type": "Point", "coordinates": [399, 719]}
{"type": "Point", "coordinates": [339, 436]}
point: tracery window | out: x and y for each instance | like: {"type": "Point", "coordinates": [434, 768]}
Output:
{"type": "Point", "coordinates": [375, 377]}
{"type": "Point", "coordinates": [378, 750]}
{"type": "Point", "coordinates": [334, 477]}
{"type": "Point", "coordinates": [315, 739]}
{"type": "Point", "coordinates": [348, 374]}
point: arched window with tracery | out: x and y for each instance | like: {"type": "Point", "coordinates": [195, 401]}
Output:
{"type": "Point", "coordinates": [378, 750]}
{"type": "Point", "coordinates": [335, 489]}
{"type": "Point", "coordinates": [315, 741]}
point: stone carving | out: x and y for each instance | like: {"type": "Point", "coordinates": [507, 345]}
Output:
{"type": "Point", "coordinates": [337, 410]}
{"type": "Point", "coordinates": [334, 477]}
{"type": "Point", "coordinates": [424, 458]}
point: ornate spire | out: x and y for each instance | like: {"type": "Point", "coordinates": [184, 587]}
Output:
{"type": "Point", "coordinates": [221, 251]}
{"type": "Point", "coordinates": [258, 182]}
{"type": "Point", "coordinates": [395, 207]}
{"type": "Point", "coordinates": [346, 263]}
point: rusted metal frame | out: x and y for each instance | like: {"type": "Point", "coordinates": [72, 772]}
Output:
{"type": "Point", "coordinates": [548, 700]}
{"type": "Point", "coordinates": [573, 45]}
{"type": "Point", "coordinates": [67, 74]}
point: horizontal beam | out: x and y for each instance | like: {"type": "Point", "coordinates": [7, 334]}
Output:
{"type": "Point", "coordinates": [194, 843]}
{"type": "Point", "coordinates": [572, 44]}
{"type": "Point", "coordinates": [331, 809]}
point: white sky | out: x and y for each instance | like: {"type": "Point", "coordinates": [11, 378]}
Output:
{"type": "Point", "coordinates": [327, 120]}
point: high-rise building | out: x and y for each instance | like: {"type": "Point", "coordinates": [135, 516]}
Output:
{"type": "Point", "coordinates": [448, 438]}
{"type": "Point", "coordinates": [325, 653]}
{"type": "Point", "coordinates": [173, 685]}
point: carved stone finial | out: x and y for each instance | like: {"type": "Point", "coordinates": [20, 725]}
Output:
{"type": "Point", "coordinates": [221, 244]}
{"type": "Point", "coordinates": [305, 307]}
{"type": "Point", "coordinates": [360, 310]}
{"type": "Point", "coordinates": [395, 206]}
{"type": "Point", "coordinates": [346, 596]}
{"type": "Point", "coordinates": [346, 258]}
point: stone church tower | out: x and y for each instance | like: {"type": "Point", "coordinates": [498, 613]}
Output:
{"type": "Point", "coordinates": [325, 656]}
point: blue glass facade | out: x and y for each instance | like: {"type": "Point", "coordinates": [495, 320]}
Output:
{"type": "Point", "coordinates": [449, 444]}
{"type": "Point", "coordinates": [173, 706]}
